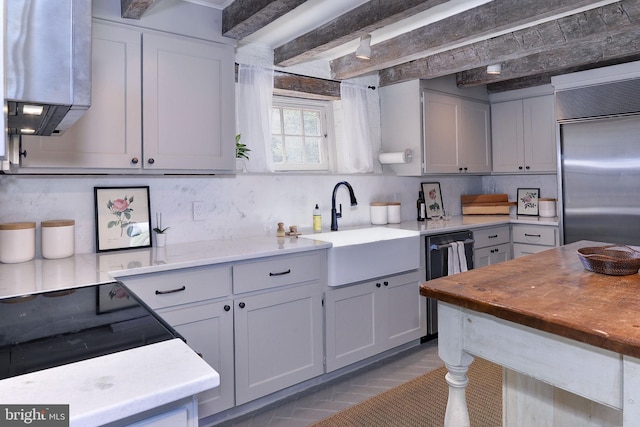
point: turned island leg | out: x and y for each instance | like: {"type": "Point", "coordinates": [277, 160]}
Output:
{"type": "Point", "coordinates": [457, 361]}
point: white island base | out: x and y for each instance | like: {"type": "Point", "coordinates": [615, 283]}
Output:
{"type": "Point", "coordinates": [608, 382]}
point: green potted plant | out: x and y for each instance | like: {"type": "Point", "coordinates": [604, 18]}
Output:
{"type": "Point", "coordinates": [241, 153]}
{"type": "Point", "coordinates": [241, 149]}
{"type": "Point", "coordinates": [161, 238]}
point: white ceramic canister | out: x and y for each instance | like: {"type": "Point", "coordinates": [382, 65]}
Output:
{"type": "Point", "coordinates": [17, 242]}
{"type": "Point", "coordinates": [378, 213]}
{"type": "Point", "coordinates": [393, 213]}
{"type": "Point", "coordinates": [58, 238]}
{"type": "Point", "coordinates": [547, 208]}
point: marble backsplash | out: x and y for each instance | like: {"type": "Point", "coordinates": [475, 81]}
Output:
{"type": "Point", "coordinates": [244, 205]}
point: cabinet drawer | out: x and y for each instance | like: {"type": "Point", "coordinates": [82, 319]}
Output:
{"type": "Point", "coordinates": [182, 286]}
{"type": "Point", "coordinates": [537, 235]}
{"type": "Point", "coordinates": [491, 236]}
{"type": "Point", "coordinates": [523, 249]}
{"type": "Point", "coordinates": [280, 271]}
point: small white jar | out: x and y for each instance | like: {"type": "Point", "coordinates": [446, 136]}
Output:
{"type": "Point", "coordinates": [547, 208]}
{"type": "Point", "coordinates": [378, 213]}
{"type": "Point", "coordinates": [17, 242]}
{"type": "Point", "coordinates": [58, 238]}
{"type": "Point", "coordinates": [393, 213]}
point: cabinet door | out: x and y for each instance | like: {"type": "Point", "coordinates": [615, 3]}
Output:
{"type": "Point", "coordinates": [278, 340]}
{"type": "Point", "coordinates": [491, 255]}
{"type": "Point", "coordinates": [108, 134]}
{"type": "Point", "coordinates": [405, 309]}
{"type": "Point", "coordinates": [401, 124]}
{"type": "Point", "coordinates": [188, 97]}
{"type": "Point", "coordinates": [507, 136]}
{"type": "Point", "coordinates": [474, 137]}
{"type": "Point", "coordinates": [352, 324]}
{"type": "Point", "coordinates": [540, 134]}
{"type": "Point", "coordinates": [208, 329]}
{"type": "Point", "coordinates": [441, 116]}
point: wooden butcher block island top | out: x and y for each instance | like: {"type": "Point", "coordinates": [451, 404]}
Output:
{"type": "Point", "coordinates": [551, 291]}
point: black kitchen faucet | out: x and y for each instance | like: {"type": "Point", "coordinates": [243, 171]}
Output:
{"type": "Point", "coordinates": [334, 214]}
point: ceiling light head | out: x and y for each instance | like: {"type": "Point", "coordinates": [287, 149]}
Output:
{"type": "Point", "coordinates": [33, 110]}
{"type": "Point", "coordinates": [364, 50]}
{"type": "Point", "coordinates": [494, 69]}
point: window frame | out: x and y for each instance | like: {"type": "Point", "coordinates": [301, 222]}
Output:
{"type": "Point", "coordinates": [326, 119]}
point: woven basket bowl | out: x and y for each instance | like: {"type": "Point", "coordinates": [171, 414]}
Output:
{"type": "Point", "coordinates": [613, 262]}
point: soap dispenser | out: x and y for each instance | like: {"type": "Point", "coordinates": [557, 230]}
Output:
{"type": "Point", "coordinates": [317, 219]}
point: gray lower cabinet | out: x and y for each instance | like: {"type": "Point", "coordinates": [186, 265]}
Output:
{"type": "Point", "coordinates": [365, 319]}
{"type": "Point", "coordinates": [278, 340]}
{"type": "Point", "coordinates": [197, 303]}
{"type": "Point", "coordinates": [492, 245]}
{"type": "Point", "coordinates": [259, 324]}
{"type": "Point", "coordinates": [530, 239]}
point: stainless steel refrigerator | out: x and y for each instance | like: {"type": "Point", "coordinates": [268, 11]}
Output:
{"type": "Point", "coordinates": [601, 180]}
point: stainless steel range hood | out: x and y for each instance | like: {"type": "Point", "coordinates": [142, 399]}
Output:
{"type": "Point", "coordinates": [48, 64]}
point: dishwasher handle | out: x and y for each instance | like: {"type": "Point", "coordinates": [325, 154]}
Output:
{"type": "Point", "coordinates": [448, 245]}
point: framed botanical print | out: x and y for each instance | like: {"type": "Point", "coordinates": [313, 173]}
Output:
{"type": "Point", "coordinates": [433, 200]}
{"type": "Point", "coordinates": [528, 201]}
{"type": "Point", "coordinates": [122, 218]}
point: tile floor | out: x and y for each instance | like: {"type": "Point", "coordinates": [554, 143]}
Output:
{"type": "Point", "coordinates": [322, 401]}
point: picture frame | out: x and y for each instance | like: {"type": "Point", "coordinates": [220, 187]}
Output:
{"type": "Point", "coordinates": [123, 217]}
{"type": "Point", "coordinates": [433, 200]}
{"type": "Point", "coordinates": [528, 201]}
{"type": "Point", "coordinates": [112, 297]}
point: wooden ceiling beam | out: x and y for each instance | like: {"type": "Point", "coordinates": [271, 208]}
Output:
{"type": "Point", "coordinates": [593, 30]}
{"type": "Point", "coordinates": [244, 17]}
{"type": "Point", "coordinates": [592, 51]}
{"type": "Point", "coordinates": [352, 25]}
{"type": "Point", "coordinates": [486, 21]}
{"type": "Point", "coordinates": [134, 9]}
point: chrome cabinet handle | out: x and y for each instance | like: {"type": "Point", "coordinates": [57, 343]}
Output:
{"type": "Point", "coordinates": [282, 273]}
{"type": "Point", "coordinates": [171, 291]}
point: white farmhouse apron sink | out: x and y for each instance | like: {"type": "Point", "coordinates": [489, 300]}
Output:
{"type": "Point", "coordinates": [365, 253]}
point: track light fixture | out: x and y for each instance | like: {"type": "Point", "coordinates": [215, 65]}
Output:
{"type": "Point", "coordinates": [364, 50]}
{"type": "Point", "coordinates": [494, 69]}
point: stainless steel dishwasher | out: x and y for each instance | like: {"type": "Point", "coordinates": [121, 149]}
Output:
{"type": "Point", "coordinates": [437, 262]}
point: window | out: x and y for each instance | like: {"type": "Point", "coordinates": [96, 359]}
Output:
{"type": "Point", "coordinates": [299, 134]}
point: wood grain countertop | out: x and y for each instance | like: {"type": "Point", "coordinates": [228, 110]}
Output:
{"type": "Point", "coordinates": [551, 291]}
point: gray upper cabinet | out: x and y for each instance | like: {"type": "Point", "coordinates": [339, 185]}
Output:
{"type": "Point", "coordinates": [160, 103]}
{"type": "Point", "coordinates": [524, 134]}
{"type": "Point", "coordinates": [456, 134]}
{"type": "Point", "coordinates": [448, 134]}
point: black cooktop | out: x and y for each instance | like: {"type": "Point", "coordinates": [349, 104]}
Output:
{"type": "Point", "coordinates": [48, 329]}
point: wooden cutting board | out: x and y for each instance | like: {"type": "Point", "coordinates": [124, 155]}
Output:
{"type": "Point", "coordinates": [486, 204]}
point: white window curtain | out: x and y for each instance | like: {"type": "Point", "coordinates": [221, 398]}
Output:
{"type": "Point", "coordinates": [255, 95]}
{"type": "Point", "coordinates": [356, 150]}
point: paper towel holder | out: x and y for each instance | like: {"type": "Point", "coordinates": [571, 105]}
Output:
{"type": "Point", "coordinates": [401, 157]}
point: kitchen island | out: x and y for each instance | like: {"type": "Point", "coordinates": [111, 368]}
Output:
{"type": "Point", "coordinates": [547, 317]}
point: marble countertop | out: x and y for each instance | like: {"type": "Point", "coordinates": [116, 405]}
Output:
{"type": "Point", "coordinates": [146, 379]}
{"type": "Point", "coordinates": [87, 269]}
{"type": "Point", "coordinates": [106, 389]}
